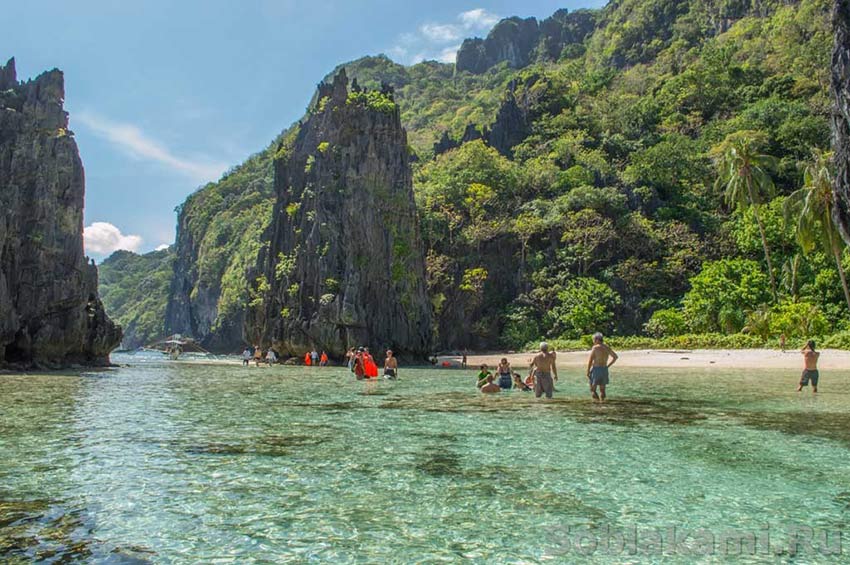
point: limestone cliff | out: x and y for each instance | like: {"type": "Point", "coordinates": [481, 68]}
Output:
{"type": "Point", "coordinates": [345, 263]}
{"type": "Point", "coordinates": [520, 41]}
{"type": "Point", "coordinates": [841, 114]}
{"type": "Point", "coordinates": [50, 313]}
{"type": "Point", "coordinates": [219, 233]}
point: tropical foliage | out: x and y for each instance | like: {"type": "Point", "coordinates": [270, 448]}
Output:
{"type": "Point", "coordinates": [655, 188]}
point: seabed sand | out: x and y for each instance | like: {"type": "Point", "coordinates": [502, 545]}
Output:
{"type": "Point", "coordinates": [686, 359]}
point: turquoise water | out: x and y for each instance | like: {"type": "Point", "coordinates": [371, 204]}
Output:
{"type": "Point", "coordinates": [173, 462]}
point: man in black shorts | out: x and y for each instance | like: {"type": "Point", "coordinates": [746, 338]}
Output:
{"type": "Point", "coordinates": [810, 366]}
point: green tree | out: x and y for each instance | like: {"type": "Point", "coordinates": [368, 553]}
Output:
{"type": "Point", "coordinates": [584, 306]}
{"type": "Point", "coordinates": [744, 176]}
{"type": "Point", "coordinates": [666, 322]}
{"type": "Point", "coordinates": [791, 276]}
{"type": "Point", "coordinates": [758, 322]}
{"type": "Point", "coordinates": [811, 207]}
{"type": "Point", "coordinates": [798, 319]}
{"type": "Point", "coordinates": [587, 235]}
{"type": "Point", "coordinates": [721, 293]}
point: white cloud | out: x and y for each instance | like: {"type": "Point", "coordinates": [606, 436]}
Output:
{"type": "Point", "coordinates": [441, 40]}
{"type": "Point", "coordinates": [440, 33]}
{"type": "Point", "coordinates": [448, 54]}
{"type": "Point", "coordinates": [134, 142]}
{"type": "Point", "coordinates": [478, 19]}
{"type": "Point", "coordinates": [161, 247]}
{"type": "Point", "coordinates": [102, 238]}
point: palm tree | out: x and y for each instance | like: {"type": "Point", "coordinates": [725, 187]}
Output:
{"type": "Point", "coordinates": [791, 276]}
{"type": "Point", "coordinates": [744, 176]}
{"type": "Point", "coordinates": [758, 322]}
{"type": "Point", "coordinates": [812, 208]}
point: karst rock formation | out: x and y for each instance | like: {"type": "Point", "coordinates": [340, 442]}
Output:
{"type": "Point", "coordinates": [50, 313]}
{"type": "Point", "coordinates": [345, 264]}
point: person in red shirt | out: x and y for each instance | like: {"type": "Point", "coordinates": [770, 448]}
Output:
{"type": "Point", "coordinates": [359, 368]}
{"type": "Point", "coordinates": [307, 360]}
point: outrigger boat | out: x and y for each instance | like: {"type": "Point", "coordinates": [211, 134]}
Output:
{"type": "Point", "coordinates": [175, 345]}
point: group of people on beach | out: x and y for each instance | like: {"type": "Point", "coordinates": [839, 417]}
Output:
{"type": "Point", "coordinates": [313, 359]}
{"type": "Point", "coordinates": [256, 353]}
{"type": "Point", "coordinates": [543, 372]}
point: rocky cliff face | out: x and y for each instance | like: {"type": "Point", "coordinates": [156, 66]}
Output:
{"type": "Point", "coordinates": [841, 114]}
{"type": "Point", "coordinates": [512, 124]}
{"type": "Point", "coordinates": [345, 262]}
{"type": "Point", "coordinates": [520, 40]}
{"type": "Point", "coordinates": [50, 313]}
{"type": "Point", "coordinates": [193, 307]}
{"type": "Point", "coordinates": [219, 233]}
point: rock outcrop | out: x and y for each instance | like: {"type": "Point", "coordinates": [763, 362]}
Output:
{"type": "Point", "coordinates": [841, 114]}
{"type": "Point", "coordinates": [50, 313]}
{"type": "Point", "coordinates": [512, 124]}
{"type": "Point", "coordinates": [219, 232]}
{"type": "Point", "coordinates": [562, 29]}
{"type": "Point", "coordinates": [193, 300]}
{"type": "Point", "coordinates": [519, 41]}
{"type": "Point", "coordinates": [512, 40]}
{"type": "Point", "coordinates": [345, 263]}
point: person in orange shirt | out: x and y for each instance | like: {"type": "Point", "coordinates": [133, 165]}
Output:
{"type": "Point", "coordinates": [307, 359]}
{"type": "Point", "coordinates": [323, 360]}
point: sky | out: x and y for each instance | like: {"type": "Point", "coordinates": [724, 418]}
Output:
{"type": "Point", "coordinates": [165, 96]}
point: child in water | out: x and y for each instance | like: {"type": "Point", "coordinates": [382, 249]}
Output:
{"type": "Point", "coordinates": [519, 384]}
{"type": "Point", "coordinates": [482, 375]}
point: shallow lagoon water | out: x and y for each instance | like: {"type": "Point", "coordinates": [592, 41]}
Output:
{"type": "Point", "coordinates": [177, 462]}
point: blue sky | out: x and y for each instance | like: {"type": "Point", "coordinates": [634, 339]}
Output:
{"type": "Point", "coordinates": [164, 95]}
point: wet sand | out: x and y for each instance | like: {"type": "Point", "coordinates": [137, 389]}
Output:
{"type": "Point", "coordinates": [686, 359]}
{"type": "Point", "coordinates": [642, 358]}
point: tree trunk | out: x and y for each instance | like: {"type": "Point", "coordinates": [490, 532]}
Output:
{"type": "Point", "coordinates": [764, 245]}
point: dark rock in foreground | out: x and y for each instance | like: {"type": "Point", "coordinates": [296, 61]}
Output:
{"type": "Point", "coordinates": [345, 265]}
{"type": "Point", "coordinates": [50, 313]}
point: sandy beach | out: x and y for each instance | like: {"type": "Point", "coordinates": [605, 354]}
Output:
{"type": "Point", "coordinates": [686, 359]}
{"type": "Point", "coordinates": [660, 358]}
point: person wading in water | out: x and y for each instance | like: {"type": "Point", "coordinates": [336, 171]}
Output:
{"type": "Point", "coordinates": [390, 366]}
{"type": "Point", "coordinates": [543, 367]}
{"type": "Point", "coordinates": [597, 366]}
{"type": "Point", "coordinates": [810, 367]}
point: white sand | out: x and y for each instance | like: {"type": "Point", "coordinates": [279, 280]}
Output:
{"type": "Point", "coordinates": [698, 358]}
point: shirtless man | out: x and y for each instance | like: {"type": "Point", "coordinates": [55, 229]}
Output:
{"type": "Point", "coordinates": [597, 366]}
{"type": "Point", "coordinates": [490, 386]}
{"type": "Point", "coordinates": [543, 367]}
{"type": "Point", "coordinates": [390, 366]}
{"type": "Point", "coordinates": [810, 366]}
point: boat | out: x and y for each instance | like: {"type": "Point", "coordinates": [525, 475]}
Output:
{"type": "Point", "coordinates": [176, 345]}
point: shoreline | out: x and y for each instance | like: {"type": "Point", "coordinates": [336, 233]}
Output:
{"type": "Point", "coordinates": [754, 359]}
{"type": "Point", "coordinates": [671, 359]}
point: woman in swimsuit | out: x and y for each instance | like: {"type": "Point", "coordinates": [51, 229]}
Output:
{"type": "Point", "coordinates": [504, 370]}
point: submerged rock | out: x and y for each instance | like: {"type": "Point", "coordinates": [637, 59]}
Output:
{"type": "Point", "coordinates": [345, 263]}
{"type": "Point", "coordinates": [841, 114]}
{"type": "Point", "coordinates": [50, 313]}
